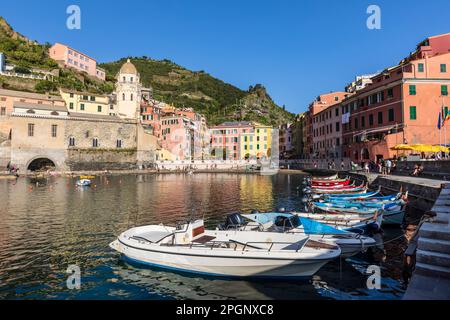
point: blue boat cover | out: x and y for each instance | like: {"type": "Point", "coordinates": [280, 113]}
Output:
{"type": "Point", "coordinates": [314, 227]}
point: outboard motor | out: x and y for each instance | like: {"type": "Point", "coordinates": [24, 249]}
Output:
{"type": "Point", "coordinates": [282, 210]}
{"type": "Point", "coordinates": [254, 211]}
{"type": "Point", "coordinates": [233, 221]}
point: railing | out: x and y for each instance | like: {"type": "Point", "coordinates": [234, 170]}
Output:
{"type": "Point", "coordinates": [23, 75]}
{"type": "Point", "coordinates": [250, 244]}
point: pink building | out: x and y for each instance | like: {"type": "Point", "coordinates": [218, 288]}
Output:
{"type": "Point", "coordinates": [225, 139]}
{"type": "Point", "coordinates": [177, 136]}
{"type": "Point", "coordinates": [71, 58]}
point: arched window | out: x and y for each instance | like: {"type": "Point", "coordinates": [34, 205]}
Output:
{"type": "Point", "coordinates": [123, 96]}
{"type": "Point", "coordinates": [95, 143]}
{"type": "Point", "coordinates": [119, 143]}
{"type": "Point", "coordinates": [131, 97]}
{"type": "Point", "coordinates": [71, 142]}
{"type": "Point", "coordinates": [124, 79]}
{"type": "Point", "coordinates": [131, 79]}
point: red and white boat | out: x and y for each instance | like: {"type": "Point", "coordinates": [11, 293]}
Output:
{"type": "Point", "coordinates": [324, 183]}
{"type": "Point", "coordinates": [340, 189]}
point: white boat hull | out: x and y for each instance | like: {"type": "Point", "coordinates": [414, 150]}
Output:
{"type": "Point", "coordinates": [225, 265]}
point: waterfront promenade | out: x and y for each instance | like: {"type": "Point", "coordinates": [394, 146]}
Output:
{"type": "Point", "coordinates": [427, 182]}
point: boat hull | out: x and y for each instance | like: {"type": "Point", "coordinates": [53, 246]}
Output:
{"type": "Point", "coordinates": [237, 266]}
{"type": "Point", "coordinates": [393, 218]}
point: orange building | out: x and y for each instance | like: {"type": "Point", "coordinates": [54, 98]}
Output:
{"type": "Point", "coordinates": [401, 105]}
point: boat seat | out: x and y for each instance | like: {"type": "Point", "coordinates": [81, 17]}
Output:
{"type": "Point", "coordinates": [153, 236]}
{"type": "Point", "coordinates": [203, 239]}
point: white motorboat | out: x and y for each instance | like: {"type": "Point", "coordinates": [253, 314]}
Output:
{"type": "Point", "coordinates": [224, 253]}
{"type": "Point", "coordinates": [350, 243]}
{"type": "Point", "coordinates": [84, 183]}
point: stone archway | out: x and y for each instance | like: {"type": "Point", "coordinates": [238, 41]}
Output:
{"type": "Point", "coordinates": [41, 164]}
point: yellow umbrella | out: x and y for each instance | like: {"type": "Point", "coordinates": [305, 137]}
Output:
{"type": "Point", "coordinates": [429, 148]}
{"type": "Point", "coordinates": [402, 147]}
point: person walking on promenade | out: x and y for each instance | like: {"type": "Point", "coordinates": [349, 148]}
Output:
{"type": "Point", "coordinates": [342, 165]}
{"type": "Point", "coordinates": [388, 166]}
{"type": "Point", "coordinates": [366, 168]}
{"type": "Point", "coordinates": [383, 167]}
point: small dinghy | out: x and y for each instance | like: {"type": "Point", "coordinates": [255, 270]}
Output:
{"type": "Point", "coordinates": [337, 190]}
{"type": "Point", "coordinates": [84, 183]}
{"type": "Point", "coordinates": [351, 196]}
{"type": "Point", "coordinates": [224, 253]}
{"type": "Point", "coordinates": [393, 212]}
{"type": "Point", "coordinates": [349, 242]}
{"type": "Point", "coordinates": [325, 183]}
{"type": "Point", "coordinates": [345, 221]}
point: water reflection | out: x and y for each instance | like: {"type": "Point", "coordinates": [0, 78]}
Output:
{"type": "Point", "coordinates": [48, 226]}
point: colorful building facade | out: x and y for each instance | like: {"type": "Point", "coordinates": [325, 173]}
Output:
{"type": "Point", "coordinates": [84, 102]}
{"type": "Point", "coordinates": [401, 105]}
{"type": "Point", "coordinates": [241, 140]}
{"type": "Point", "coordinates": [226, 140]}
{"type": "Point", "coordinates": [177, 135]}
{"type": "Point", "coordinates": [326, 125]}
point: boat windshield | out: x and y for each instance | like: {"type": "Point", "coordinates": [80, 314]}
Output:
{"type": "Point", "coordinates": [287, 222]}
{"type": "Point", "coordinates": [295, 221]}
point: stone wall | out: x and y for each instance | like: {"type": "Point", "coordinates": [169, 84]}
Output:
{"type": "Point", "coordinates": [101, 159]}
{"type": "Point", "coordinates": [42, 144]}
{"type": "Point", "coordinates": [433, 169]}
{"type": "Point", "coordinates": [5, 155]}
{"type": "Point", "coordinates": [136, 148]}
{"type": "Point", "coordinates": [84, 130]}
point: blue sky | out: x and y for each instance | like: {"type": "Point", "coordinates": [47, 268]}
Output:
{"type": "Point", "coordinates": [296, 48]}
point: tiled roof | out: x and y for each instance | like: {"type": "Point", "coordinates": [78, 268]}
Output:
{"type": "Point", "coordinates": [39, 106]}
{"type": "Point", "coordinates": [29, 95]}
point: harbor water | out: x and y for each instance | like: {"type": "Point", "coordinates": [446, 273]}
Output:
{"type": "Point", "coordinates": [47, 225]}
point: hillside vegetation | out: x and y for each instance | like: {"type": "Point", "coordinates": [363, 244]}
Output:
{"type": "Point", "coordinates": [218, 100]}
{"type": "Point", "coordinates": [171, 83]}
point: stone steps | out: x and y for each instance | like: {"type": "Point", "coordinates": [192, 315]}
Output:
{"type": "Point", "coordinates": [431, 277]}
{"type": "Point", "coordinates": [435, 231]}
{"type": "Point", "coordinates": [431, 270]}
{"type": "Point", "coordinates": [434, 258]}
{"type": "Point", "coordinates": [441, 246]}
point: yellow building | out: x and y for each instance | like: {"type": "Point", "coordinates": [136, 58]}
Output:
{"type": "Point", "coordinates": [256, 143]}
{"type": "Point", "coordinates": [84, 102]}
